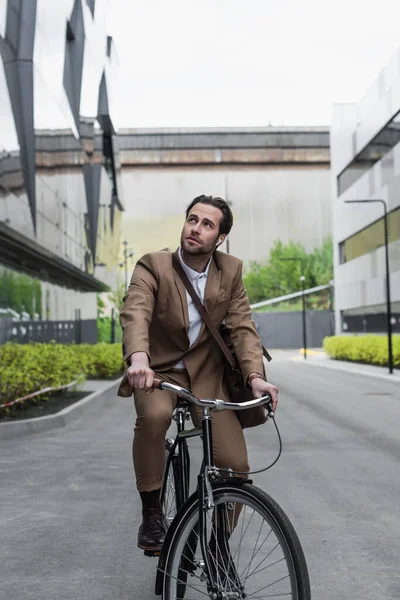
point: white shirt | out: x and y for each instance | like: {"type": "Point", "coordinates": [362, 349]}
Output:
{"type": "Point", "coordinates": [198, 281]}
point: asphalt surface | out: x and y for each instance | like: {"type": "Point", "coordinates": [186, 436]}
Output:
{"type": "Point", "coordinates": [70, 512]}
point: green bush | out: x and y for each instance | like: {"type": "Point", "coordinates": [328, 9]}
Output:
{"type": "Point", "coordinates": [104, 330]}
{"type": "Point", "coordinates": [369, 349]}
{"type": "Point", "coordinates": [100, 361]}
{"type": "Point", "coordinates": [28, 368]}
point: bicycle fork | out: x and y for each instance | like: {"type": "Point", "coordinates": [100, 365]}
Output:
{"type": "Point", "coordinates": [206, 504]}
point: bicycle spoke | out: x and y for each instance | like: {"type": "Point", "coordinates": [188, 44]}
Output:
{"type": "Point", "coordinates": [241, 537]}
{"type": "Point", "coordinates": [264, 559]}
{"type": "Point", "coordinates": [268, 596]}
{"type": "Point", "coordinates": [255, 545]}
{"type": "Point", "coordinates": [267, 567]}
{"type": "Point", "coordinates": [185, 583]}
{"type": "Point", "coordinates": [169, 501]}
{"type": "Point", "coordinates": [192, 587]}
{"type": "Point", "coordinates": [246, 551]}
{"type": "Point", "coordinates": [271, 584]}
{"type": "Point", "coordinates": [256, 550]}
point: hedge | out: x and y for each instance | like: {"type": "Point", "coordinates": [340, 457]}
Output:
{"type": "Point", "coordinates": [27, 368]}
{"type": "Point", "coordinates": [100, 361]}
{"type": "Point", "coordinates": [368, 349]}
{"type": "Point", "coordinates": [104, 325]}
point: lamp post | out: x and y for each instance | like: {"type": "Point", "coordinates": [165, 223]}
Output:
{"type": "Point", "coordinates": [303, 297]}
{"type": "Point", "coordinates": [331, 313]}
{"type": "Point", "coordinates": [388, 300]}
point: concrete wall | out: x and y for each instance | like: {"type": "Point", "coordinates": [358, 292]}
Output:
{"type": "Point", "coordinates": [269, 202]}
{"type": "Point", "coordinates": [285, 329]}
{"type": "Point", "coordinates": [60, 304]}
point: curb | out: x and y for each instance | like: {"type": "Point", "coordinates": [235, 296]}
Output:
{"type": "Point", "coordinates": [89, 404]}
{"type": "Point", "coordinates": [343, 367]}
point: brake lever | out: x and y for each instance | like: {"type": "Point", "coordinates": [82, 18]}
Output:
{"type": "Point", "coordinates": [270, 409]}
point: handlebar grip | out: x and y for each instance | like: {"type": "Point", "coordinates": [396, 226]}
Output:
{"type": "Point", "coordinates": [157, 384]}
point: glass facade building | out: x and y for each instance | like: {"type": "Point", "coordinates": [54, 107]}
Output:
{"type": "Point", "coordinates": [365, 163]}
{"type": "Point", "coordinates": [60, 193]}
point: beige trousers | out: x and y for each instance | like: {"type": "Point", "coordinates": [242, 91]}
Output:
{"type": "Point", "coordinates": [154, 413]}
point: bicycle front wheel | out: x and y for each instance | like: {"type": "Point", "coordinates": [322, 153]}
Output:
{"type": "Point", "coordinates": [253, 550]}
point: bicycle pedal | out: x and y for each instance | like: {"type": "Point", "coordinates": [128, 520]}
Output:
{"type": "Point", "coordinates": [152, 553]}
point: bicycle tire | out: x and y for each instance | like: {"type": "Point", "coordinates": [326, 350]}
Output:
{"type": "Point", "coordinates": [245, 494]}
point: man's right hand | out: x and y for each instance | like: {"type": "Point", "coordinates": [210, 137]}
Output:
{"type": "Point", "coordinates": [139, 373]}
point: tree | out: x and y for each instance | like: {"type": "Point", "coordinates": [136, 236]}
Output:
{"type": "Point", "coordinates": [20, 292]}
{"type": "Point", "coordinates": [280, 277]}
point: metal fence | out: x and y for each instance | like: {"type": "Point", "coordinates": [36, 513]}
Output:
{"type": "Point", "coordinates": [284, 329]}
{"type": "Point", "coordinates": [63, 332]}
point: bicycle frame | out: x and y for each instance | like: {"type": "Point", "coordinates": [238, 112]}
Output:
{"type": "Point", "coordinates": [207, 472]}
{"type": "Point", "coordinates": [180, 461]}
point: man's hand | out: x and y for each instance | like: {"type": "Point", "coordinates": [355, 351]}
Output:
{"type": "Point", "coordinates": [139, 373]}
{"type": "Point", "coordinates": [259, 387]}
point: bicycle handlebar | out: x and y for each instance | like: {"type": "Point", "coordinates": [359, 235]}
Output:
{"type": "Point", "coordinates": [214, 404]}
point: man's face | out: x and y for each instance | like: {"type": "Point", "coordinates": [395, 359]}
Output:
{"type": "Point", "coordinates": [201, 229]}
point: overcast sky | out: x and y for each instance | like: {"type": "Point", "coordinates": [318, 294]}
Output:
{"type": "Point", "coordinates": [247, 62]}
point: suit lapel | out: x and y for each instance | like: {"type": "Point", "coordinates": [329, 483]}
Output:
{"type": "Point", "coordinates": [210, 294]}
{"type": "Point", "coordinates": [182, 293]}
{"type": "Point", "coordinates": [212, 287]}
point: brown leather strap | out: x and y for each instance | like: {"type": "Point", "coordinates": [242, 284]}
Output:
{"type": "Point", "coordinates": [265, 351]}
{"type": "Point", "coordinates": [203, 313]}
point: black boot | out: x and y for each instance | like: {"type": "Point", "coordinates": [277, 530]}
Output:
{"type": "Point", "coordinates": [153, 529]}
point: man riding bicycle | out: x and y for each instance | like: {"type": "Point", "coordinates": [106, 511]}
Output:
{"type": "Point", "coordinates": [164, 337]}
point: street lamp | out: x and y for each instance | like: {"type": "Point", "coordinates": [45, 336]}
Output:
{"type": "Point", "coordinates": [331, 314]}
{"type": "Point", "coordinates": [388, 300]}
{"type": "Point", "coordinates": [125, 261]}
{"type": "Point", "coordinates": [302, 279]}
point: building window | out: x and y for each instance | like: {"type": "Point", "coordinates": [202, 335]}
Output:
{"type": "Point", "coordinates": [370, 319]}
{"type": "Point", "coordinates": [370, 238]}
{"type": "Point", "coordinates": [20, 293]}
{"type": "Point", "coordinates": [386, 139]}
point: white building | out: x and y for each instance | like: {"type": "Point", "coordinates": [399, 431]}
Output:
{"type": "Point", "coordinates": [365, 162]}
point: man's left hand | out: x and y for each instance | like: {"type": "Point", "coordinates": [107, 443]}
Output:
{"type": "Point", "coordinates": [259, 387]}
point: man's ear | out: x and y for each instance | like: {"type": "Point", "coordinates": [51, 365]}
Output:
{"type": "Point", "coordinates": [221, 240]}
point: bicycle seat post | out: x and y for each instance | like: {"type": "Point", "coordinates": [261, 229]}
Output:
{"type": "Point", "coordinates": [180, 415]}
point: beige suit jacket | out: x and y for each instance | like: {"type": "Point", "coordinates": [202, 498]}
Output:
{"type": "Point", "coordinates": [155, 320]}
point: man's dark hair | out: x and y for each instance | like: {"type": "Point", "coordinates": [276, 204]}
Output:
{"type": "Point", "coordinates": [227, 217]}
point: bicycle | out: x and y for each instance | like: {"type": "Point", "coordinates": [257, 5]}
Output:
{"type": "Point", "coordinates": [203, 553]}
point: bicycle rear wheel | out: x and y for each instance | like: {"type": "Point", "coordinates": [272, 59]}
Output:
{"type": "Point", "coordinates": [253, 550]}
{"type": "Point", "coordinates": [171, 485]}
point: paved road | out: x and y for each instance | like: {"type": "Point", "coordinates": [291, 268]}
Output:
{"type": "Point", "coordinates": [69, 510]}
